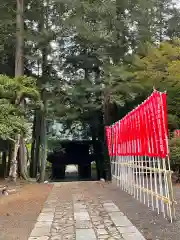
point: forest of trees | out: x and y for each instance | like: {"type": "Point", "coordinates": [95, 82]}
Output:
{"type": "Point", "coordinates": [82, 63]}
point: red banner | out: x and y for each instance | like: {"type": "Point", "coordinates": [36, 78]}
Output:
{"type": "Point", "coordinates": [116, 134]}
{"type": "Point", "coordinates": [161, 122]}
{"type": "Point", "coordinates": [109, 139]}
{"type": "Point", "coordinates": [144, 131]}
{"type": "Point", "coordinates": [177, 133]}
{"type": "Point", "coordinates": [119, 151]}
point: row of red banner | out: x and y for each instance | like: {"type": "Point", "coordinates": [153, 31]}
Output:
{"type": "Point", "coordinates": [143, 132]}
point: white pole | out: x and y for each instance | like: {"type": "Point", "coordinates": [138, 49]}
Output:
{"type": "Point", "coordinates": [142, 165]}
{"type": "Point", "coordinates": [161, 186]}
{"type": "Point", "coordinates": [155, 183]}
{"type": "Point", "coordinates": [137, 182]}
{"type": "Point", "coordinates": [139, 176]}
{"type": "Point", "coordinates": [151, 185]}
{"type": "Point", "coordinates": [168, 164]}
{"type": "Point", "coordinates": [147, 180]}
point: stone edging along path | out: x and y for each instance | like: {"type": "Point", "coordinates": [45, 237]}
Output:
{"type": "Point", "coordinates": [82, 219]}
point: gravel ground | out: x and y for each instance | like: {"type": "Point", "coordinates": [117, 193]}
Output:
{"type": "Point", "coordinates": [152, 225]}
{"type": "Point", "coordinates": [19, 211]}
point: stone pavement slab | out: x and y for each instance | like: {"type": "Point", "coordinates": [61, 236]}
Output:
{"type": "Point", "coordinates": [81, 216]}
{"type": "Point", "coordinates": [85, 234]}
{"type": "Point", "coordinates": [120, 220]}
{"type": "Point", "coordinates": [72, 213]}
{"type": "Point", "coordinates": [110, 207]}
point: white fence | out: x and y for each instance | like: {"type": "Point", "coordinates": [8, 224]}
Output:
{"type": "Point", "coordinates": [148, 180]}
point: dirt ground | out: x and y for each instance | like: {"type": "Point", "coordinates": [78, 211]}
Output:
{"type": "Point", "coordinates": [19, 210]}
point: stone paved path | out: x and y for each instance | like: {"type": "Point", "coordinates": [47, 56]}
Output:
{"type": "Point", "coordinates": [75, 211]}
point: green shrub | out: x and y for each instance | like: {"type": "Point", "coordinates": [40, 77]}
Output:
{"type": "Point", "coordinates": [175, 155]}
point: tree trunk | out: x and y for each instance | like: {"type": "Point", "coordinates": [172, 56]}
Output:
{"type": "Point", "coordinates": [4, 156]}
{"type": "Point", "coordinates": [43, 148]}
{"type": "Point", "coordinates": [9, 159]}
{"type": "Point", "coordinates": [96, 142]}
{"type": "Point", "coordinates": [23, 159]}
{"type": "Point", "coordinates": [33, 170]}
{"type": "Point", "coordinates": [106, 123]}
{"type": "Point", "coordinates": [107, 173]}
{"type": "Point", "coordinates": [19, 71]}
{"type": "Point", "coordinates": [38, 142]}
{"type": "Point", "coordinates": [160, 22]}
{"type": "Point", "coordinates": [40, 129]}
{"type": "Point", "coordinates": [13, 163]}
{"type": "Point", "coordinates": [19, 60]}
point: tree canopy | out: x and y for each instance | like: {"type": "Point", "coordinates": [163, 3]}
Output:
{"type": "Point", "coordinates": [13, 118]}
{"type": "Point", "coordinates": [160, 68]}
{"type": "Point", "coordinates": [93, 61]}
